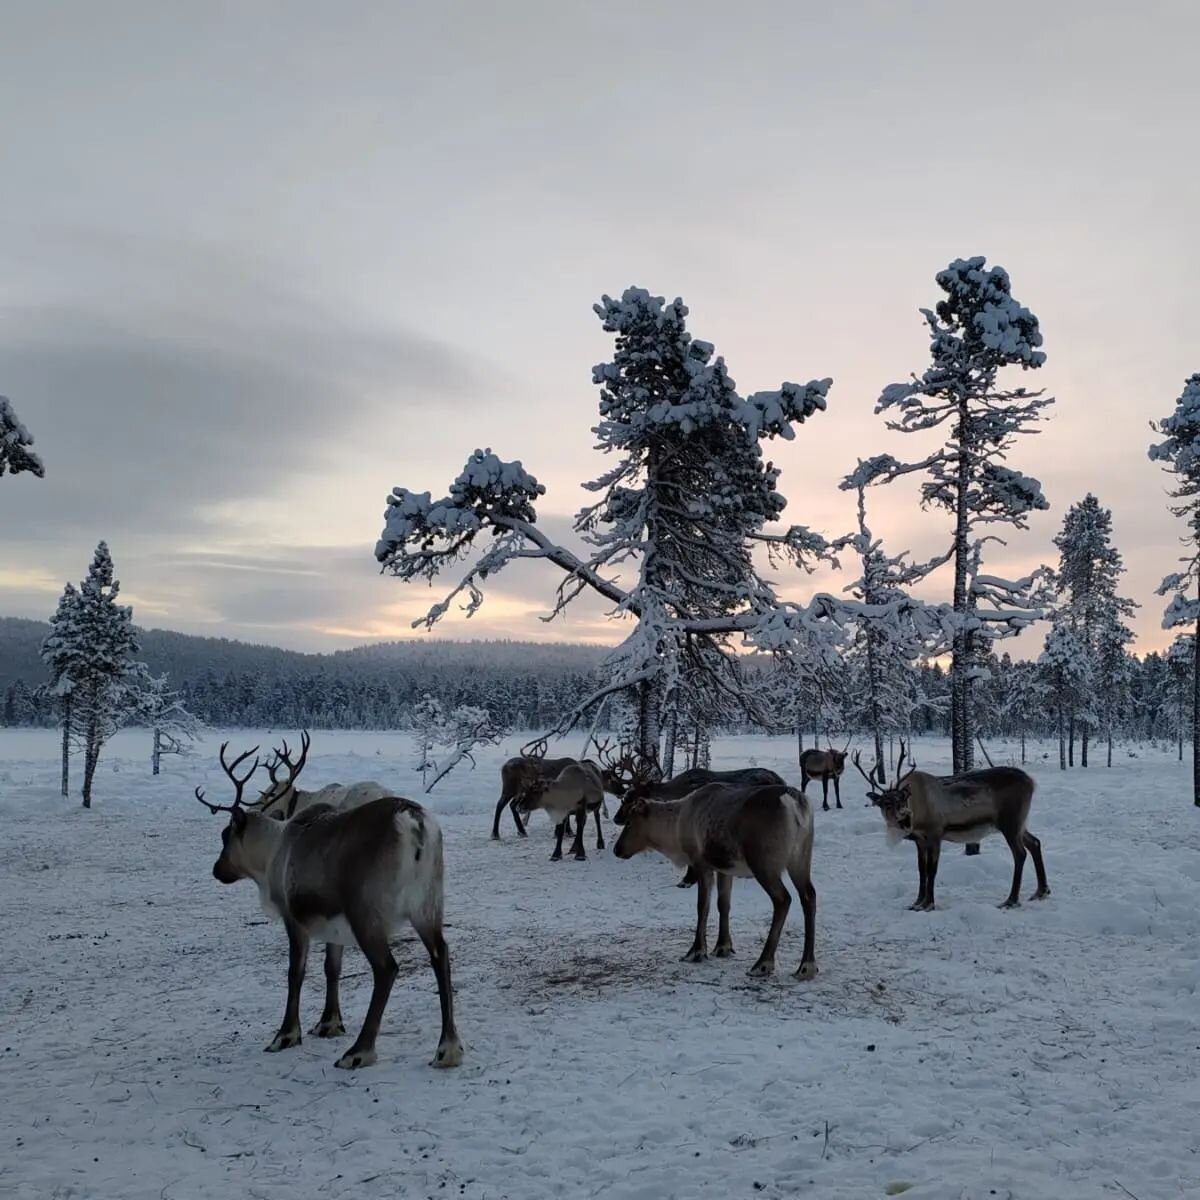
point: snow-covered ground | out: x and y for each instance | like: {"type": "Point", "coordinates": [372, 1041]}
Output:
{"type": "Point", "coordinates": [1044, 1053]}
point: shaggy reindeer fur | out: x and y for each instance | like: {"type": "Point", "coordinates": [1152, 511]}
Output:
{"type": "Point", "coordinates": [729, 831]}
{"type": "Point", "coordinates": [347, 877]}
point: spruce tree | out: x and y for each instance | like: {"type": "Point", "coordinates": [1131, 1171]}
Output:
{"type": "Point", "coordinates": [1179, 452]}
{"type": "Point", "coordinates": [16, 441]}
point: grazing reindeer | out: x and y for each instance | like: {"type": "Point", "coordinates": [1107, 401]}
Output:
{"type": "Point", "coordinates": [577, 789]}
{"type": "Point", "coordinates": [732, 831]}
{"type": "Point", "coordinates": [641, 779]}
{"type": "Point", "coordinates": [930, 809]}
{"type": "Point", "coordinates": [527, 770]}
{"type": "Point", "coordinates": [824, 765]}
{"type": "Point", "coordinates": [283, 799]}
{"type": "Point", "coordinates": [342, 877]}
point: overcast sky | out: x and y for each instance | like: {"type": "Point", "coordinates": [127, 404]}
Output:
{"type": "Point", "coordinates": [261, 262]}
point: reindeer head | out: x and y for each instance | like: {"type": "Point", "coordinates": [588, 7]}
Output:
{"type": "Point", "coordinates": [231, 865]}
{"type": "Point", "coordinates": [613, 770]}
{"type": "Point", "coordinates": [634, 837]}
{"type": "Point", "coordinates": [279, 800]}
{"type": "Point", "coordinates": [892, 800]}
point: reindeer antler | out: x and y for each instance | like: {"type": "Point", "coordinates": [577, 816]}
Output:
{"type": "Point", "coordinates": [912, 762]}
{"type": "Point", "coordinates": [872, 782]}
{"type": "Point", "coordinates": [239, 783]}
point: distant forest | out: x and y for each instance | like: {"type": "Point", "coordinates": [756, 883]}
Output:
{"type": "Point", "coordinates": [227, 683]}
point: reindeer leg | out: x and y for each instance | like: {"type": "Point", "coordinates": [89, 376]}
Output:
{"type": "Point", "coordinates": [933, 852]}
{"type": "Point", "coordinates": [559, 830]}
{"type": "Point", "coordinates": [699, 950]}
{"type": "Point", "coordinates": [688, 880]}
{"type": "Point", "coordinates": [289, 1031]}
{"type": "Point", "coordinates": [580, 823]}
{"type": "Point", "coordinates": [918, 905]}
{"type": "Point", "coordinates": [599, 831]}
{"type": "Point", "coordinates": [1035, 852]}
{"type": "Point", "coordinates": [802, 882]}
{"type": "Point", "coordinates": [825, 793]}
{"type": "Point", "coordinates": [450, 1050]}
{"type": "Point", "coordinates": [516, 816]}
{"type": "Point", "coordinates": [1017, 846]}
{"type": "Point", "coordinates": [372, 941]}
{"type": "Point", "coordinates": [330, 1024]}
{"type": "Point", "coordinates": [781, 901]}
{"type": "Point", "coordinates": [837, 790]}
{"type": "Point", "coordinates": [724, 946]}
{"type": "Point", "coordinates": [500, 804]}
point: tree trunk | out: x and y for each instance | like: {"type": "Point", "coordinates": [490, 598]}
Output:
{"type": "Point", "coordinates": [1083, 746]}
{"type": "Point", "coordinates": [1196, 716]}
{"type": "Point", "coordinates": [1110, 746]}
{"type": "Point", "coordinates": [873, 684]}
{"type": "Point", "coordinates": [959, 743]}
{"type": "Point", "coordinates": [668, 762]}
{"type": "Point", "coordinates": [66, 745]}
{"type": "Point", "coordinates": [1062, 736]}
{"type": "Point", "coordinates": [156, 754]}
{"type": "Point", "coordinates": [649, 720]}
{"type": "Point", "coordinates": [90, 758]}
{"type": "Point", "coordinates": [1022, 744]}
{"type": "Point", "coordinates": [1071, 740]}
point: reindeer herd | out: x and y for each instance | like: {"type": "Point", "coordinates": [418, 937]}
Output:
{"type": "Point", "coordinates": [353, 864]}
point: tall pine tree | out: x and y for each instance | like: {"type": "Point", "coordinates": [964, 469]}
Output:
{"type": "Point", "coordinates": [1179, 451]}
{"type": "Point", "coordinates": [16, 453]}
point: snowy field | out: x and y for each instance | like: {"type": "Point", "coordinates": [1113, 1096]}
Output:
{"type": "Point", "coordinates": [1044, 1053]}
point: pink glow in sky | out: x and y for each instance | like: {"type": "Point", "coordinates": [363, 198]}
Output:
{"type": "Point", "coordinates": [260, 263]}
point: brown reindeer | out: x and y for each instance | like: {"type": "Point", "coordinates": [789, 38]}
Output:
{"type": "Point", "coordinates": [729, 831]}
{"type": "Point", "coordinates": [824, 765]}
{"type": "Point", "coordinates": [344, 877]}
{"type": "Point", "coordinates": [575, 791]}
{"type": "Point", "coordinates": [929, 809]}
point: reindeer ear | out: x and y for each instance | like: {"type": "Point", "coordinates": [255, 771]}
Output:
{"type": "Point", "coordinates": [237, 818]}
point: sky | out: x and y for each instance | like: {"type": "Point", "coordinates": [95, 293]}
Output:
{"type": "Point", "coordinates": [260, 263]}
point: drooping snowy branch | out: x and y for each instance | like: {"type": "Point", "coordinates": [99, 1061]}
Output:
{"type": "Point", "coordinates": [16, 454]}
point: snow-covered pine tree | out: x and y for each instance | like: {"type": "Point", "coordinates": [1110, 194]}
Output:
{"type": "Point", "coordinates": [1179, 699]}
{"type": "Point", "coordinates": [62, 652]}
{"type": "Point", "coordinates": [104, 695]}
{"type": "Point", "coordinates": [672, 532]}
{"type": "Point", "coordinates": [16, 441]}
{"type": "Point", "coordinates": [1065, 665]}
{"type": "Point", "coordinates": [978, 329]}
{"type": "Point", "coordinates": [1112, 674]}
{"type": "Point", "coordinates": [467, 727]}
{"type": "Point", "coordinates": [1179, 451]}
{"type": "Point", "coordinates": [892, 629]}
{"type": "Point", "coordinates": [1087, 578]}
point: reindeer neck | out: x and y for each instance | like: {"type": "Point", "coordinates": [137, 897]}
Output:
{"type": "Point", "coordinates": [662, 822]}
{"type": "Point", "coordinates": [260, 843]}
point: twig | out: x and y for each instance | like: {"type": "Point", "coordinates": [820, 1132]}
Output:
{"type": "Point", "coordinates": [825, 1146]}
{"type": "Point", "coordinates": [1124, 1189]}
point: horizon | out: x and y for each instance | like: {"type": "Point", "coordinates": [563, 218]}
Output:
{"type": "Point", "coordinates": [239, 308]}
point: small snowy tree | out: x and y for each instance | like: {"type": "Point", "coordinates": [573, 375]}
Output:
{"type": "Point", "coordinates": [103, 695]}
{"type": "Point", "coordinates": [154, 704]}
{"type": "Point", "coordinates": [15, 442]}
{"type": "Point", "coordinates": [670, 537]}
{"type": "Point", "coordinates": [428, 719]}
{"type": "Point", "coordinates": [1064, 662]}
{"type": "Point", "coordinates": [466, 729]}
{"type": "Point", "coordinates": [1179, 451]}
{"type": "Point", "coordinates": [978, 329]}
{"type": "Point", "coordinates": [62, 652]}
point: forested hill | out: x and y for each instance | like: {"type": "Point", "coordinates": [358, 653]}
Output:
{"type": "Point", "coordinates": [230, 682]}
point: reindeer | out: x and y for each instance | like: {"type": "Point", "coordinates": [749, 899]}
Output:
{"type": "Point", "coordinates": [732, 830]}
{"type": "Point", "coordinates": [283, 799]}
{"type": "Point", "coordinates": [577, 789]}
{"type": "Point", "coordinates": [530, 768]}
{"type": "Point", "coordinates": [929, 809]}
{"type": "Point", "coordinates": [824, 765]}
{"type": "Point", "coordinates": [639, 778]}
{"type": "Point", "coordinates": [343, 877]}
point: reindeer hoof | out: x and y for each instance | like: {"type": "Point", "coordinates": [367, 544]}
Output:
{"type": "Point", "coordinates": [1040, 895]}
{"type": "Point", "coordinates": [328, 1029]}
{"type": "Point", "coordinates": [495, 836]}
{"type": "Point", "coordinates": [694, 955]}
{"type": "Point", "coordinates": [556, 857]}
{"type": "Point", "coordinates": [685, 882]}
{"type": "Point", "coordinates": [761, 970]}
{"type": "Point", "coordinates": [806, 970]}
{"type": "Point", "coordinates": [723, 952]}
{"type": "Point", "coordinates": [1010, 904]}
{"type": "Point", "coordinates": [284, 1041]}
{"type": "Point", "coordinates": [353, 1059]}
{"type": "Point", "coordinates": [449, 1054]}
{"type": "Point", "coordinates": [920, 906]}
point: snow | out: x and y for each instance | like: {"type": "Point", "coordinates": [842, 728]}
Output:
{"type": "Point", "coordinates": [1046, 1052]}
